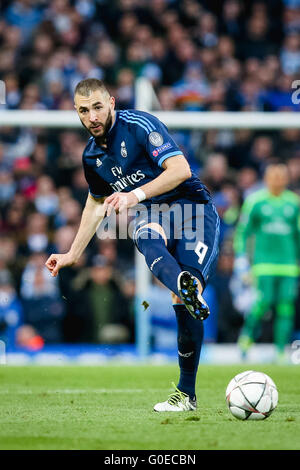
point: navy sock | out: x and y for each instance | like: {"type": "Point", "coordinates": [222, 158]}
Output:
{"type": "Point", "coordinates": [159, 260]}
{"type": "Point", "coordinates": [189, 340]}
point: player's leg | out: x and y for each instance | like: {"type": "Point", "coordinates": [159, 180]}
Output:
{"type": "Point", "coordinates": [285, 313]}
{"type": "Point", "coordinates": [265, 287]}
{"type": "Point", "coordinates": [196, 251]}
{"type": "Point", "coordinates": [189, 329]}
{"type": "Point", "coordinates": [151, 241]}
{"type": "Point", "coordinates": [189, 341]}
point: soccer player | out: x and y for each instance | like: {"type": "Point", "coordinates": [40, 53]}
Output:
{"type": "Point", "coordinates": [271, 217]}
{"type": "Point", "coordinates": [131, 159]}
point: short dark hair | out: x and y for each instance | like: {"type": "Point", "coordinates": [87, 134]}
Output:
{"type": "Point", "coordinates": [87, 86]}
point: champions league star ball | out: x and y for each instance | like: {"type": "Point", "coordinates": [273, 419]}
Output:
{"type": "Point", "coordinates": [251, 395]}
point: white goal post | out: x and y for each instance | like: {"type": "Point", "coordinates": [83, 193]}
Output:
{"type": "Point", "coordinates": [146, 100]}
{"type": "Point", "coordinates": [172, 119]}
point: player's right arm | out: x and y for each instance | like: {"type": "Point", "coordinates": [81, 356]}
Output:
{"type": "Point", "coordinates": [245, 227]}
{"type": "Point", "coordinates": [92, 216]}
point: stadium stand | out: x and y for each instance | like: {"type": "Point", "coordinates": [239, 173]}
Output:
{"type": "Point", "coordinates": [199, 55]}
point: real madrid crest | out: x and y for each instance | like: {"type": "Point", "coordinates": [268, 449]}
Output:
{"type": "Point", "coordinates": [123, 149]}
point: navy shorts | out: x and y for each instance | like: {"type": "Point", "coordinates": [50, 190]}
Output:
{"type": "Point", "coordinates": [192, 232]}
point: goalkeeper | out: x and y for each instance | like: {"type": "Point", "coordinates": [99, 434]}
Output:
{"type": "Point", "coordinates": [268, 237]}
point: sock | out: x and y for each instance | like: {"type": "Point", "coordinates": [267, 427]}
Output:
{"type": "Point", "coordinates": [159, 260]}
{"type": "Point", "coordinates": [283, 324]}
{"type": "Point", "coordinates": [189, 340]}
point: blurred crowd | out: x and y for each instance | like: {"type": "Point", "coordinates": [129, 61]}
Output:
{"type": "Point", "coordinates": [199, 55]}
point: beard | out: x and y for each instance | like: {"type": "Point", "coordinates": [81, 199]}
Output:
{"type": "Point", "coordinates": [101, 139]}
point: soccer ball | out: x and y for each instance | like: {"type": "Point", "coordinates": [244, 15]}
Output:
{"type": "Point", "coordinates": [251, 395]}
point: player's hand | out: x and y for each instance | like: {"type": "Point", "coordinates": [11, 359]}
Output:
{"type": "Point", "coordinates": [242, 270]}
{"type": "Point", "coordinates": [56, 261]}
{"type": "Point", "coordinates": [119, 202]}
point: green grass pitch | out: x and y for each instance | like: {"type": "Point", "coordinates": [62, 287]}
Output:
{"type": "Point", "coordinates": [110, 407]}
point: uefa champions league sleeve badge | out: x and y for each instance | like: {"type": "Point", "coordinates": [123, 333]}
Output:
{"type": "Point", "coordinates": [156, 139]}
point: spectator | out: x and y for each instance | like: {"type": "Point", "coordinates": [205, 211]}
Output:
{"type": "Point", "coordinates": [9, 260]}
{"type": "Point", "coordinates": [279, 98]}
{"type": "Point", "coordinates": [11, 312]}
{"type": "Point", "coordinates": [261, 153]}
{"type": "Point", "coordinates": [36, 237]}
{"type": "Point", "coordinates": [41, 299]}
{"type": "Point", "coordinates": [23, 14]}
{"type": "Point", "coordinates": [230, 320]}
{"type": "Point", "coordinates": [125, 88]}
{"type": "Point", "coordinates": [28, 338]}
{"type": "Point", "coordinates": [110, 315]}
{"type": "Point", "coordinates": [191, 93]}
{"type": "Point", "coordinates": [76, 324]}
{"type": "Point", "coordinates": [256, 42]}
{"type": "Point", "coordinates": [13, 94]}
{"type": "Point", "coordinates": [231, 20]}
{"type": "Point", "coordinates": [215, 171]}
{"type": "Point", "coordinates": [248, 181]}
{"type": "Point", "coordinates": [293, 166]}
{"type": "Point", "coordinates": [290, 55]}
{"type": "Point", "coordinates": [7, 187]}
{"type": "Point", "coordinates": [79, 186]}
{"type": "Point", "coordinates": [69, 213]}
{"type": "Point", "coordinates": [46, 199]}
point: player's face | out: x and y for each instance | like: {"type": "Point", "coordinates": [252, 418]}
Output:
{"type": "Point", "coordinates": [96, 112]}
{"type": "Point", "coordinates": [276, 179]}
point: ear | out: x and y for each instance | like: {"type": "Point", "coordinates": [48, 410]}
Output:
{"type": "Point", "coordinates": [112, 102]}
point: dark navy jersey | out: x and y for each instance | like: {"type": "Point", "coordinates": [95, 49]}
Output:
{"type": "Point", "coordinates": [137, 145]}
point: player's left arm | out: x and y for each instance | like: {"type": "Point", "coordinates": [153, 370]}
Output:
{"type": "Point", "coordinates": [176, 171]}
{"type": "Point", "coordinates": [297, 230]}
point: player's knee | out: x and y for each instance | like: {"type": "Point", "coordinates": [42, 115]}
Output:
{"type": "Point", "coordinates": [155, 227]}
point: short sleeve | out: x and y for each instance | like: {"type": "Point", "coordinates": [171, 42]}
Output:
{"type": "Point", "coordinates": [97, 186]}
{"type": "Point", "coordinates": [157, 141]}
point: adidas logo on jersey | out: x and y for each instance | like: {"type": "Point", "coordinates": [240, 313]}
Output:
{"type": "Point", "coordinates": [98, 162]}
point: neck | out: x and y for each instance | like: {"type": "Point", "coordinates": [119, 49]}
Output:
{"type": "Point", "coordinates": [113, 118]}
{"type": "Point", "coordinates": [275, 192]}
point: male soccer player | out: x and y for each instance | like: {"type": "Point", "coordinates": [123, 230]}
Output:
{"type": "Point", "coordinates": [131, 159]}
{"type": "Point", "coordinates": [271, 216]}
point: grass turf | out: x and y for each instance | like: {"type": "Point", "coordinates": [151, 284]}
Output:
{"type": "Point", "coordinates": [110, 407]}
